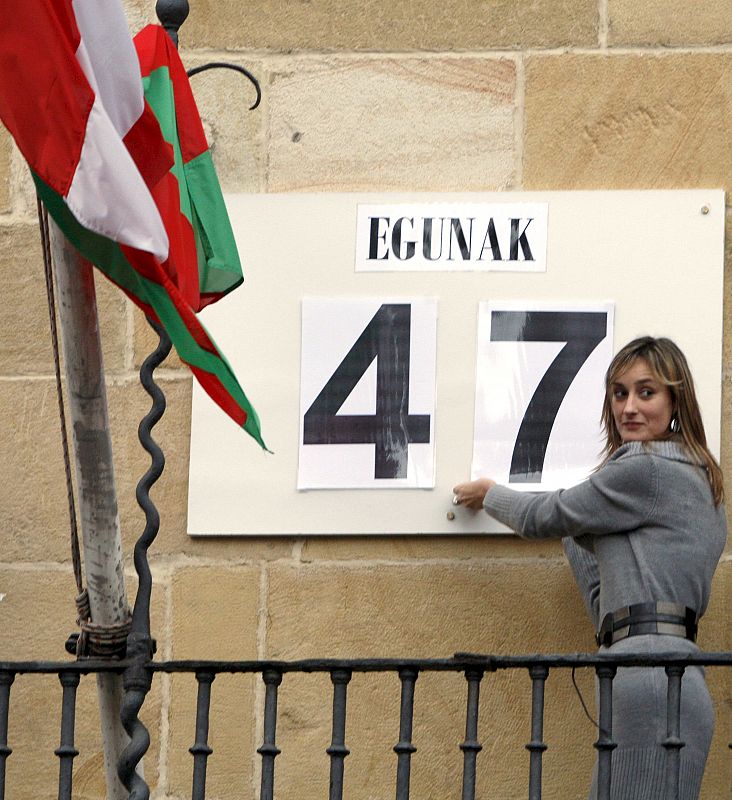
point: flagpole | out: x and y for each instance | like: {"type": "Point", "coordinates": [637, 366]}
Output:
{"type": "Point", "coordinates": [96, 488]}
{"type": "Point", "coordinates": [172, 14]}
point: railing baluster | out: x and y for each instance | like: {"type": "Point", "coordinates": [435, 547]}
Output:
{"type": "Point", "coordinates": [471, 746]}
{"type": "Point", "coordinates": [6, 681]}
{"type": "Point", "coordinates": [673, 742]}
{"type": "Point", "coordinates": [537, 746]}
{"type": "Point", "coordinates": [404, 747]}
{"type": "Point", "coordinates": [338, 750]}
{"type": "Point", "coordinates": [269, 751]}
{"type": "Point", "coordinates": [604, 743]}
{"type": "Point", "coordinates": [201, 750]}
{"type": "Point", "coordinates": [66, 751]}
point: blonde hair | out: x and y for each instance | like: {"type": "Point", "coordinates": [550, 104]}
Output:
{"type": "Point", "coordinates": [669, 366]}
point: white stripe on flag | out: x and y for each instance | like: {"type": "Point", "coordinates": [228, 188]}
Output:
{"type": "Point", "coordinates": [112, 60]}
{"type": "Point", "coordinates": [108, 195]}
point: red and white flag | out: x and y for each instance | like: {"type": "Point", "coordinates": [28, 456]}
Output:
{"type": "Point", "coordinates": [71, 96]}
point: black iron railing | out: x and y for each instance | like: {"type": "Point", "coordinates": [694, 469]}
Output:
{"type": "Point", "coordinates": [274, 675]}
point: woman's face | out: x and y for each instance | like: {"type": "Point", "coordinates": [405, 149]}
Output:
{"type": "Point", "coordinates": [642, 406]}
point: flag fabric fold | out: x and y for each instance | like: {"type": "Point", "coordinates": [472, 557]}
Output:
{"type": "Point", "coordinates": [128, 180]}
{"type": "Point", "coordinates": [201, 209]}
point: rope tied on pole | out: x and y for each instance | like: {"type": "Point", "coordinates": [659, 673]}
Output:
{"type": "Point", "coordinates": [99, 641]}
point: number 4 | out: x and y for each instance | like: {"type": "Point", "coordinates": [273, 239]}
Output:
{"type": "Point", "coordinates": [386, 338]}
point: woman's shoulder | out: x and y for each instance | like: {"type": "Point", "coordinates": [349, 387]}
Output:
{"type": "Point", "coordinates": [648, 466]}
{"type": "Point", "coordinates": [631, 469]}
{"type": "Point", "coordinates": [667, 449]}
{"type": "Point", "coordinates": [637, 467]}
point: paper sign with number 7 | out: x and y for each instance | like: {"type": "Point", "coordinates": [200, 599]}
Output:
{"type": "Point", "coordinates": [539, 390]}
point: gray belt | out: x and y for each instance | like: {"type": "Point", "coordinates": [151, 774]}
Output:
{"type": "Point", "coordinates": [670, 619]}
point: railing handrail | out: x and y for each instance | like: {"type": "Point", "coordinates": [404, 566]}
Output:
{"type": "Point", "coordinates": [489, 663]}
{"type": "Point", "coordinates": [458, 663]}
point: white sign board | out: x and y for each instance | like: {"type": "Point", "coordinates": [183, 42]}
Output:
{"type": "Point", "coordinates": [647, 262]}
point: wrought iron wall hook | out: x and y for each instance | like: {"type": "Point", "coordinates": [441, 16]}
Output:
{"type": "Point", "coordinates": [172, 14]}
{"type": "Point", "coordinates": [226, 65]}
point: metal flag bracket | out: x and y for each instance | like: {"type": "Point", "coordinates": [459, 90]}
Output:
{"type": "Point", "coordinates": [237, 68]}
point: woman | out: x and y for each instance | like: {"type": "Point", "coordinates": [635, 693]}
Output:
{"type": "Point", "coordinates": [647, 530]}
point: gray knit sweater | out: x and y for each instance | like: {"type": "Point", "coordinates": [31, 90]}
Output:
{"type": "Point", "coordinates": [648, 518]}
{"type": "Point", "coordinates": [648, 531]}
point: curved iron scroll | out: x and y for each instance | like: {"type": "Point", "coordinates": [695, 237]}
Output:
{"type": "Point", "coordinates": [140, 645]}
{"type": "Point", "coordinates": [137, 677]}
{"type": "Point", "coordinates": [226, 65]}
{"type": "Point", "coordinates": [172, 14]}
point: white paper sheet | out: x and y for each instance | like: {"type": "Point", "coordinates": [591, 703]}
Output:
{"type": "Point", "coordinates": [539, 389]}
{"type": "Point", "coordinates": [367, 393]}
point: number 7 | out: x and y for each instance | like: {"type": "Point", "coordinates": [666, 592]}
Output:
{"type": "Point", "coordinates": [582, 331]}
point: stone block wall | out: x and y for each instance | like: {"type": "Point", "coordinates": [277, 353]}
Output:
{"type": "Point", "coordinates": [453, 95]}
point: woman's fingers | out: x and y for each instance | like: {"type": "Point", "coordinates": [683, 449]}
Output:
{"type": "Point", "coordinates": [472, 493]}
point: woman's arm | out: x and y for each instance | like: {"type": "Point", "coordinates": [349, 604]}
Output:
{"type": "Point", "coordinates": [618, 497]}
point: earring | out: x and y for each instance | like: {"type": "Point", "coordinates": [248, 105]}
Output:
{"type": "Point", "coordinates": [674, 426]}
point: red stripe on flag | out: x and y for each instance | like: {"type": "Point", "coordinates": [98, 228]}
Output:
{"type": "Point", "coordinates": [208, 299]}
{"type": "Point", "coordinates": [146, 265]}
{"type": "Point", "coordinates": [182, 264]}
{"type": "Point", "coordinates": [155, 49]}
{"type": "Point", "coordinates": [190, 320]}
{"type": "Point", "coordinates": [153, 162]}
{"type": "Point", "coordinates": [154, 157]}
{"type": "Point", "coordinates": [41, 82]}
{"type": "Point", "coordinates": [212, 385]}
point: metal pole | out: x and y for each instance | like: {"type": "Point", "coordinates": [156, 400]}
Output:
{"type": "Point", "coordinates": [536, 747]}
{"type": "Point", "coordinates": [66, 751]}
{"type": "Point", "coordinates": [269, 750]}
{"type": "Point", "coordinates": [100, 528]}
{"type": "Point", "coordinates": [6, 681]}
{"type": "Point", "coordinates": [673, 742]}
{"type": "Point", "coordinates": [404, 747]}
{"type": "Point", "coordinates": [605, 744]}
{"type": "Point", "coordinates": [338, 750]}
{"type": "Point", "coordinates": [201, 749]}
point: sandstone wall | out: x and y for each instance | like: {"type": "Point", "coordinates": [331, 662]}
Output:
{"type": "Point", "coordinates": [453, 95]}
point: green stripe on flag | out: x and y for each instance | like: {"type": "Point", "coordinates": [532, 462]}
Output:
{"type": "Point", "coordinates": [201, 199]}
{"type": "Point", "coordinates": [158, 91]}
{"type": "Point", "coordinates": [109, 258]}
{"type": "Point", "coordinates": [190, 352]}
{"type": "Point", "coordinates": [220, 269]}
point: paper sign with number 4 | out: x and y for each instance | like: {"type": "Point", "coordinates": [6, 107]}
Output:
{"type": "Point", "coordinates": [367, 393]}
{"type": "Point", "coordinates": [539, 391]}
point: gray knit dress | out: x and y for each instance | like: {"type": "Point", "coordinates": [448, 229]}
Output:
{"type": "Point", "coordinates": [643, 528]}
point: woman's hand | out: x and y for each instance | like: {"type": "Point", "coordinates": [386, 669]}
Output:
{"type": "Point", "coordinates": [472, 493]}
